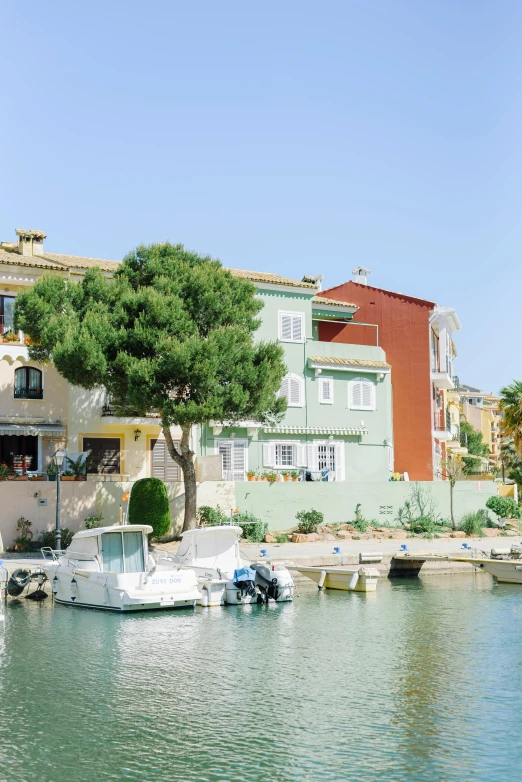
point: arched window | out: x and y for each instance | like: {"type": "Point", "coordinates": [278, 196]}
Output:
{"type": "Point", "coordinates": [361, 394]}
{"type": "Point", "coordinates": [292, 388]}
{"type": "Point", "coordinates": [28, 383]}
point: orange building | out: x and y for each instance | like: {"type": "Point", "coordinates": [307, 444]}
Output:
{"type": "Point", "coordinates": [416, 336]}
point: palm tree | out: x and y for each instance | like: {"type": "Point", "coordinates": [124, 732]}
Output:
{"type": "Point", "coordinates": [511, 407]}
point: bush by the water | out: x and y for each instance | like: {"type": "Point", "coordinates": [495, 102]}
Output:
{"type": "Point", "coordinates": [208, 516]}
{"type": "Point", "coordinates": [504, 507]}
{"type": "Point", "coordinates": [473, 523]}
{"type": "Point", "coordinates": [309, 520]}
{"type": "Point", "coordinates": [254, 530]}
{"type": "Point", "coordinates": [149, 504]}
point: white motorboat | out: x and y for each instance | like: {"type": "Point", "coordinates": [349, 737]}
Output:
{"type": "Point", "coordinates": [224, 575]}
{"type": "Point", "coordinates": [504, 563]}
{"type": "Point", "coordinates": [110, 568]}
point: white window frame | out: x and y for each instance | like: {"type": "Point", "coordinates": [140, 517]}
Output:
{"type": "Point", "coordinates": [292, 314]}
{"type": "Point", "coordinates": [339, 473]}
{"type": "Point", "coordinates": [322, 381]}
{"type": "Point", "coordinates": [270, 454]}
{"type": "Point", "coordinates": [351, 384]}
{"type": "Point", "coordinates": [300, 380]}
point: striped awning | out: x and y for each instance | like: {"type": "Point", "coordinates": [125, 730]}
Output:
{"type": "Point", "coordinates": [33, 430]}
{"type": "Point", "coordinates": [353, 430]}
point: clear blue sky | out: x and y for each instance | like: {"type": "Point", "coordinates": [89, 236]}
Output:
{"type": "Point", "coordinates": [293, 137]}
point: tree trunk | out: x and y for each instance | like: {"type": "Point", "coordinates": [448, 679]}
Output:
{"type": "Point", "coordinates": [185, 459]}
{"type": "Point", "coordinates": [452, 513]}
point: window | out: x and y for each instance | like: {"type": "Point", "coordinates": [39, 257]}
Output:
{"type": "Point", "coordinates": [28, 383]}
{"type": "Point", "coordinates": [284, 455]}
{"type": "Point", "coordinates": [122, 552]}
{"type": "Point", "coordinates": [292, 390]}
{"type": "Point", "coordinates": [326, 390]}
{"type": "Point", "coordinates": [233, 453]}
{"type": "Point", "coordinates": [7, 315]}
{"type": "Point", "coordinates": [361, 394]}
{"type": "Point", "coordinates": [326, 454]}
{"type": "Point", "coordinates": [162, 465]}
{"type": "Point", "coordinates": [103, 455]}
{"type": "Point", "coordinates": [291, 326]}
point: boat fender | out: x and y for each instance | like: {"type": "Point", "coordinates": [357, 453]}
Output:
{"type": "Point", "coordinates": [354, 579]}
{"type": "Point", "coordinates": [18, 582]}
{"type": "Point", "coordinates": [74, 589]}
{"type": "Point", "coordinates": [55, 584]}
{"type": "Point", "coordinates": [322, 579]}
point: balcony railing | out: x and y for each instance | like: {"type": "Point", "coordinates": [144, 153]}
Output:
{"type": "Point", "coordinates": [28, 393]}
{"type": "Point", "coordinates": [108, 410]}
{"type": "Point", "coordinates": [442, 420]}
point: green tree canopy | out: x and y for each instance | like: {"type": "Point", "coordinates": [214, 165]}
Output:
{"type": "Point", "coordinates": [511, 408]}
{"type": "Point", "coordinates": [172, 331]}
{"type": "Point", "coordinates": [475, 446]}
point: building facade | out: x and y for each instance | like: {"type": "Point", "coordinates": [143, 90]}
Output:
{"type": "Point", "coordinates": [416, 335]}
{"type": "Point", "coordinates": [338, 424]}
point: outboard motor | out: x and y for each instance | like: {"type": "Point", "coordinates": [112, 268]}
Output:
{"type": "Point", "coordinates": [244, 580]}
{"type": "Point", "coordinates": [273, 581]}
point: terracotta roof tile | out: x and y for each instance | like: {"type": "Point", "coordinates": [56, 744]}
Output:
{"type": "Point", "coordinates": [273, 279]}
{"type": "Point", "coordinates": [16, 259]}
{"type": "Point", "coordinates": [333, 302]}
{"type": "Point", "coordinates": [351, 362]}
{"type": "Point", "coordinates": [80, 262]}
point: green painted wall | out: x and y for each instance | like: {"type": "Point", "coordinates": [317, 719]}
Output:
{"type": "Point", "coordinates": [278, 503]}
{"type": "Point", "coordinates": [366, 457]}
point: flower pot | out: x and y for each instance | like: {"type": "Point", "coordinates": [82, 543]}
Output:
{"type": "Point", "coordinates": [68, 478]}
{"type": "Point", "coordinates": [294, 478]}
{"type": "Point", "coordinates": [20, 478]}
{"type": "Point", "coordinates": [251, 477]}
{"type": "Point", "coordinates": [286, 478]}
{"type": "Point", "coordinates": [51, 477]}
{"type": "Point", "coordinates": [79, 477]}
{"type": "Point", "coordinates": [37, 478]}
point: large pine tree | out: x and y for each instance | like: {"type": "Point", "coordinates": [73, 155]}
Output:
{"type": "Point", "coordinates": [172, 331]}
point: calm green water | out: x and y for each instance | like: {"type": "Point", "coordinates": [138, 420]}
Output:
{"type": "Point", "coordinates": [421, 681]}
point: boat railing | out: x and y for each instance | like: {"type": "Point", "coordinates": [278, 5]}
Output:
{"type": "Point", "coordinates": [49, 553]}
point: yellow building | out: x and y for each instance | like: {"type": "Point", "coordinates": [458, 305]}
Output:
{"type": "Point", "coordinates": [482, 412]}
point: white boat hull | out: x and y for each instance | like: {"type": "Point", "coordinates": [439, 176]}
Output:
{"type": "Point", "coordinates": [506, 571]}
{"type": "Point", "coordinates": [123, 591]}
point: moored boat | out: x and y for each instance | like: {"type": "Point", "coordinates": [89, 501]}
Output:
{"type": "Point", "coordinates": [349, 579]}
{"type": "Point", "coordinates": [224, 575]}
{"type": "Point", "coordinates": [504, 564]}
{"type": "Point", "coordinates": [110, 568]}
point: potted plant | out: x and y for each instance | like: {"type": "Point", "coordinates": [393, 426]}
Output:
{"type": "Point", "coordinates": [286, 475]}
{"type": "Point", "coordinates": [52, 471]}
{"type": "Point", "coordinates": [68, 475]}
{"type": "Point", "coordinates": [20, 477]}
{"type": "Point", "coordinates": [251, 475]}
{"type": "Point", "coordinates": [77, 467]}
{"type": "Point", "coordinates": [38, 477]}
{"type": "Point", "coordinates": [5, 472]}
{"type": "Point", "coordinates": [271, 477]}
{"type": "Point", "coordinates": [295, 476]}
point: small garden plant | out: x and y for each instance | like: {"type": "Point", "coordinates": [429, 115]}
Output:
{"type": "Point", "coordinates": [25, 535]}
{"type": "Point", "coordinates": [92, 522]}
{"type": "Point", "coordinates": [473, 523]}
{"type": "Point", "coordinates": [504, 507]}
{"type": "Point", "coordinates": [254, 530]}
{"type": "Point", "coordinates": [309, 521]}
{"type": "Point", "coordinates": [359, 522]}
{"type": "Point", "coordinates": [207, 516]}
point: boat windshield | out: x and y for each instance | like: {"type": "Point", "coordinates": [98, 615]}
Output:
{"type": "Point", "coordinates": [123, 552]}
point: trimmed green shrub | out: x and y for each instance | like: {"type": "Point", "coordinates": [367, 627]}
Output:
{"type": "Point", "coordinates": [149, 504]}
{"type": "Point", "coordinates": [208, 516]}
{"type": "Point", "coordinates": [504, 507]}
{"type": "Point", "coordinates": [308, 520]}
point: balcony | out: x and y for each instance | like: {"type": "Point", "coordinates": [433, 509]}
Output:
{"type": "Point", "coordinates": [442, 425]}
{"type": "Point", "coordinates": [458, 443]}
{"type": "Point", "coordinates": [110, 416]}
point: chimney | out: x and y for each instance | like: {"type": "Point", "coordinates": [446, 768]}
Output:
{"type": "Point", "coordinates": [30, 242]}
{"type": "Point", "coordinates": [317, 280]}
{"type": "Point", "coordinates": [360, 275]}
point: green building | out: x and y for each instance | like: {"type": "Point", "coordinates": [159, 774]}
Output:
{"type": "Point", "coordinates": [339, 415]}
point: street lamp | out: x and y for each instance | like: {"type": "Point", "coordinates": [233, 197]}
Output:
{"type": "Point", "coordinates": [59, 457]}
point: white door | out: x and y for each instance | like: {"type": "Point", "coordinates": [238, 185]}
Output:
{"type": "Point", "coordinates": [233, 453]}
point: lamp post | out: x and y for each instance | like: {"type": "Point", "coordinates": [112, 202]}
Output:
{"type": "Point", "coordinates": [59, 456]}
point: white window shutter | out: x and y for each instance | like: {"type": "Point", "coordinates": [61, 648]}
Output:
{"type": "Point", "coordinates": [361, 395]}
{"type": "Point", "coordinates": [239, 460]}
{"type": "Point", "coordinates": [302, 459]}
{"type": "Point", "coordinates": [313, 457]}
{"type": "Point", "coordinates": [339, 461]}
{"type": "Point", "coordinates": [286, 327]}
{"type": "Point", "coordinates": [326, 390]}
{"type": "Point", "coordinates": [295, 391]}
{"type": "Point", "coordinates": [297, 328]}
{"type": "Point", "coordinates": [367, 396]}
{"type": "Point", "coordinates": [355, 394]}
{"type": "Point", "coordinates": [269, 454]}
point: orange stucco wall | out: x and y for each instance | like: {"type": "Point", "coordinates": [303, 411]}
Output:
{"type": "Point", "coordinates": [404, 335]}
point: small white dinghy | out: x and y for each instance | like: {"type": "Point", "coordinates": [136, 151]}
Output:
{"type": "Point", "coordinates": [110, 568]}
{"type": "Point", "coordinates": [350, 579]}
{"type": "Point", "coordinates": [224, 576]}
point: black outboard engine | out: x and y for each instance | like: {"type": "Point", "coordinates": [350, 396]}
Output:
{"type": "Point", "coordinates": [244, 580]}
{"type": "Point", "coordinates": [265, 581]}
